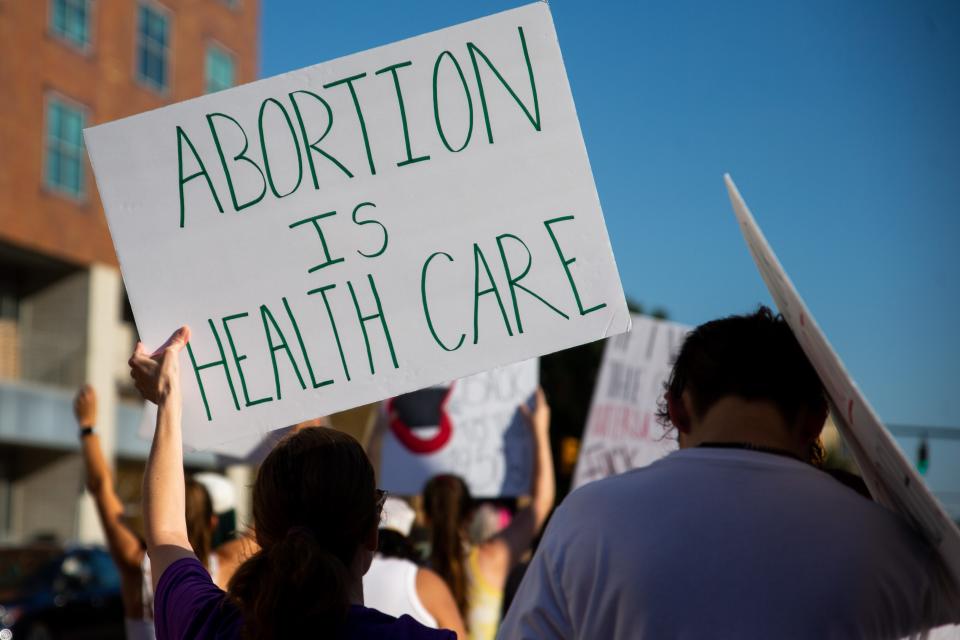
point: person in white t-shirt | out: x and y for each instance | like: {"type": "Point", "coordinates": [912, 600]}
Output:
{"type": "Point", "coordinates": [737, 534]}
{"type": "Point", "coordinates": [395, 584]}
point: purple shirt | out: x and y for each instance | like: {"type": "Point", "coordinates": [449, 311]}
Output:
{"type": "Point", "coordinates": [188, 605]}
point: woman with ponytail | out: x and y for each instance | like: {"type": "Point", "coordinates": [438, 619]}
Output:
{"type": "Point", "coordinates": [315, 509]}
{"type": "Point", "coordinates": [477, 575]}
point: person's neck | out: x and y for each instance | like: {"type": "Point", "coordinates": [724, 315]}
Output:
{"type": "Point", "coordinates": [355, 591]}
{"type": "Point", "coordinates": [733, 420]}
{"type": "Point", "coordinates": [357, 569]}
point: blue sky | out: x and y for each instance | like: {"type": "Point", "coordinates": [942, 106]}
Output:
{"type": "Point", "coordinates": [839, 121]}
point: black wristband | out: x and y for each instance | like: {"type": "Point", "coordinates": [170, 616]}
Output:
{"type": "Point", "coordinates": [86, 431]}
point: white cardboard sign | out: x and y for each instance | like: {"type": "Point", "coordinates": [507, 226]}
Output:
{"type": "Point", "coordinates": [471, 427]}
{"type": "Point", "coordinates": [364, 227]}
{"type": "Point", "coordinates": [622, 431]}
{"type": "Point", "coordinates": [250, 449]}
{"type": "Point", "coordinates": [892, 480]}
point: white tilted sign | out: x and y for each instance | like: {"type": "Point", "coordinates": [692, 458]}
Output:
{"type": "Point", "coordinates": [892, 480]}
{"type": "Point", "coordinates": [471, 427]}
{"type": "Point", "coordinates": [364, 227]}
{"type": "Point", "coordinates": [622, 431]}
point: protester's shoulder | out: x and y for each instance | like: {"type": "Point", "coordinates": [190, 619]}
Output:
{"type": "Point", "coordinates": [185, 571]}
{"type": "Point", "coordinates": [390, 569]}
{"type": "Point", "coordinates": [364, 622]}
{"type": "Point", "coordinates": [865, 513]}
{"type": "Point", "coordinates": [601, 494]}
{"type": "Point", "coordinates": [188, 604]}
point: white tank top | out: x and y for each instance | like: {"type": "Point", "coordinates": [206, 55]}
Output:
{"type": "Point", "coordinates": [142, 628]}
{"type": "Point", "coordinates": [390, 586]}
{"type": "Point", "coordinates": [146, 588]}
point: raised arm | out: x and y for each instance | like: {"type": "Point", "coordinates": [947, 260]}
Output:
{"type": "Point", "coordinates": [124, 546]}
{"type": "Point", "coordinates": [502, 552]}
{"type": "Point", "coordinates": [157, 378]}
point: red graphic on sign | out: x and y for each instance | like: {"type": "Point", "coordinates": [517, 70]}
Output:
{"type": "Point", "coordinates": [411, 412]}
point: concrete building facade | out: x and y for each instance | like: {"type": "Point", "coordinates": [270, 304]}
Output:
{"type": "Point", "coordinates": [66, 65]}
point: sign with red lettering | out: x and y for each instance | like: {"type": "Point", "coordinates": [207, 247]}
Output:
{"type": "Point", "coordinates": [622, 431]}
{"type": "Point", "coordinates": [364, 227]}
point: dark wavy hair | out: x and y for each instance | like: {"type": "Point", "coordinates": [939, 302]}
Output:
{"type": "Point", "coordinates": [314, 502]}
{"type": "Point", "coordinates": [755, 357]}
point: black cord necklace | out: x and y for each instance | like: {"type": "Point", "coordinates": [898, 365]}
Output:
{"type": "Point", "coordinates": [750, 447]}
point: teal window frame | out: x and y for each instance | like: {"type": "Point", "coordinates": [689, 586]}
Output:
{"type": "Point", "coordinates": [220, 68]}
{"type": "Point", "coordinates": [64, 158]}
{"type": "Point", "coordinates": [152, 58]}
{"type": "Point", "coordinates": [70, 21]}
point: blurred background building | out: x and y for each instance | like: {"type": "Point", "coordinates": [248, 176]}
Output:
{"type": "Point", "coordinates": [64, 319]}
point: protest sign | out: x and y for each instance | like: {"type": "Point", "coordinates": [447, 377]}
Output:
{"type": "Point", "coordinates": [622, 431]}
{"type": "Point", "coordinates": [891, 478]}
{"type": "Point", "coordinates": [253, 448]}
{"type": "Point", "coordinates": [364, 227]}
{"type": "Point", "coordinates": [248, 449]}
{"type": "Point", "coordinates": [471, 427]}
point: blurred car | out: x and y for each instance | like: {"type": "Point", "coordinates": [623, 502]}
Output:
{"type": "Point", "coordinates": [49, 593]}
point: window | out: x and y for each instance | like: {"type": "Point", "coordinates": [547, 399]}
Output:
{"type": "Point", "coordinates": [219, 69]}
{"type": "Point", "coordinates": [64, 171]}
{"type": "Point", "coordinates": [70, 20]}
{"type": "Point", "coordinates": [153, 40]}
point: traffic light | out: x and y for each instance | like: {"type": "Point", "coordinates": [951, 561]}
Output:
{"type": "Point", "coordinates": [923, 456]}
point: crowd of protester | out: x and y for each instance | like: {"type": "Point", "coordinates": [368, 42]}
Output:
{"type": "Point", "coordinates": [739, 534]}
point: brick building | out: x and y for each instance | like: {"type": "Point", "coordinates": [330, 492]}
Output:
{"type": "Point", "coordinates": [66, 65]}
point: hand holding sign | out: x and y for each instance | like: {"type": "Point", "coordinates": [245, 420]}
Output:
{"type": "Point", "coordinates": [539, 418]}
{"type": "Point", "coordinates": [157, 375]}
{"type": "Point", "coordinates": [85, 407]}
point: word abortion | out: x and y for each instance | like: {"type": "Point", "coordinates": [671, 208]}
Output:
{"type": "Point", "coordinates": [314, 119]}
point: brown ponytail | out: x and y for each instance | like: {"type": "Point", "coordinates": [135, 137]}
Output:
{"type": "Point", "coordinates": [314, 502]}
{"type": "Point", "coordinates": [199, 516]}
{"type": "Point", "coordinates": [447, 504]}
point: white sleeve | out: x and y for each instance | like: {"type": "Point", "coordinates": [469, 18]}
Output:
{"type": "Point", "coordinates": [539, 609]}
